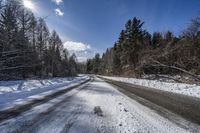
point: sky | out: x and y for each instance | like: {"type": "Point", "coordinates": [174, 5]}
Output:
{"type": "Point", "coordinates": [90, 26]}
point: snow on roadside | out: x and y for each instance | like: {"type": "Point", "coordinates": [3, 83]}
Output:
{"type": "Point", "coordinates": [180, 88]}
{"type": "Point", "coordinates": [76, 114]}
{"type": "Point", "coordinates": [28, 85]}
{"type": "Point", "coordinates": [21, 91]}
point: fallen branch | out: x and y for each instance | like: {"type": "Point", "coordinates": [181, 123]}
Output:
{"type": "Point", "coordinates": [177, 68]}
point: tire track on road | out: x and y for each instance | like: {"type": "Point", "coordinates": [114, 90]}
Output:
{"type": "Point", "coordinates": [17, 110]}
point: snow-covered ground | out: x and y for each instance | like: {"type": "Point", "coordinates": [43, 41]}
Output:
{"type": "Point", "coordinates": [180, 88]}
{"type": "Point", "coordinates": [21, 91]}
{"type": "Point", "coordinates": [73, 112]}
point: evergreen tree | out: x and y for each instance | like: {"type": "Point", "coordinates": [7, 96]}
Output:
{"type": "Point", "coordinates": [9, 41]}
{"type": "Point", "coordinates": [169, 37]}
{"type": "Point", "coordinates": [97, 62]}
{"type": "Point", "coordinates": [73, 65]}
{"type": "Point", "coordinates": [133, 43]}
{"type": "Point", "coordinates": [26, 47]}
{"type": "Point", "coordinates": [41, 45]}
{"type": "Point", "coordinates": [89, 66]}
{"type": "Point", "coordinates": [157, 40]}
{"type": "Point", "coordinates": [116, 59]}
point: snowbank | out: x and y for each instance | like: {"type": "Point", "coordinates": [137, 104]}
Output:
{"type": "Point", "coordinates": [17, 92]}
{"type": "Point", "coordinates": [180, 88]}
{"type": "Point", "coordinates": [28, 85]}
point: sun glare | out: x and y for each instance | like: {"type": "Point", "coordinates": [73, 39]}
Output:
{"type": "Point", "coordinates": [29, 4]}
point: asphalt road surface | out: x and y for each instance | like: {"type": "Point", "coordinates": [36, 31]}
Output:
{"type": "Point", "coordinates": [185, 106]}
{"type": "Point", "coordinates": [99, 107]}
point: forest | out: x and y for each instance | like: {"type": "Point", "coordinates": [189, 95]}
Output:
{"type": "Point", "coordinates": [138, 53]}
{"type": "Point", "coordinates": [28, 48]}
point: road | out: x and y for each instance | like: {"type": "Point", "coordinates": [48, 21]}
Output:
{"type": "Point", "coordinates": [95, 107]}
{"type": "Point", "coordinates": [185, 106]}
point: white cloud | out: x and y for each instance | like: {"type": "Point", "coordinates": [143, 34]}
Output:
{"type": "Point", "coordinates": [76, 46]}
{"type": "Point", "coordinates": [82, 51]}
{"type": "Point", "coordinates": [59, 12]}
{"type": "Point", "coordinates": [58, 2]}
{"type": "Point", "coordinates": [82, 59]}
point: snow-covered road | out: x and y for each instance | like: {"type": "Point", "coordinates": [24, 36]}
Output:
{"type": "Point", "coordinates": [73, 112]}
{"type": "Point", "coordinates": [20, 92]}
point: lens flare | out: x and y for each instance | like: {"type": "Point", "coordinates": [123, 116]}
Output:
{"type": "Point", "coordinates": [28, 4]}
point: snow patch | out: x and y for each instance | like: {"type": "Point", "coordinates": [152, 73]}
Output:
{"type": "Point", "coordinates": [19, 92]}
{"type": "Point", "coordinates": [180, 88]}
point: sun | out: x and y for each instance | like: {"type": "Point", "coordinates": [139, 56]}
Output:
{"type": "Point", "coordinates": [28, 4]}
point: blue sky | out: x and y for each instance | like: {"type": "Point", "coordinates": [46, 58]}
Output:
{"type": "Point", "coordinates": [93, 25]}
